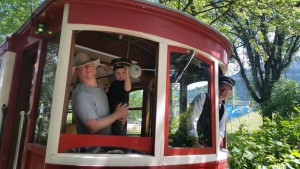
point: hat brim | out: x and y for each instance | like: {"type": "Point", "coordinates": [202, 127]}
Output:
{"type": "Point", "coordinates": [224, 82]}
{"type": "Point", "coordinates": [95, 62]}
{"type": "Point", "coordinates": [121, 66]}
{"type": "Point", "coordinates": [120, 63]}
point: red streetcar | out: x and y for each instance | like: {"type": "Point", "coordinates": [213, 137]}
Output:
{"type": "Point", "coordinates": [175, 57]}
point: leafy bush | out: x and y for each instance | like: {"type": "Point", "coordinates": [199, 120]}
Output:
{"type": "Point", "coordinates": [285, 99]}
{"type": "Point", "coordinates": [274, 145]}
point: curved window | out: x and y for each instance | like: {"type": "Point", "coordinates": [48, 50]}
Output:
{"type": "Point", "coordinates": [189, 114]}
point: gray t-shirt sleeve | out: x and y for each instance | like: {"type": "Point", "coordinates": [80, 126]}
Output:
{"type": "Point", "coordinates": [84, 107]}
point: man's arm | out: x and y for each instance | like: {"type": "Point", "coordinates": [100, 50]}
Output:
{"type": "Point", "coordinates": [222, 126]}
{"type": "Point", "coordinates": [95, 125]}
{"type": "Point", "coordinates": [196, 111]}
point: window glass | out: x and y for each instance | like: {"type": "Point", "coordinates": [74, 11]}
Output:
{"type": "Point", "coordinates": [46, 92]}
{"type": "Point", "coordinates": [0, 68]}
{"type": "Point", "coordinates": [189, 112]}
{"type": "Point", "coordinates": [135, 112]}
{"type": "Point", "coordinates": [136, 98]}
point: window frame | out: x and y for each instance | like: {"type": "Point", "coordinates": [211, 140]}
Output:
{"type": "Point", "coordinates": [144, 142]}
{"type": "Point", "coordinates": [184, 150]}
{"type": "Point", "coordinates": [136, 108]}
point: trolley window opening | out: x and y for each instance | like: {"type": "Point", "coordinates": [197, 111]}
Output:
{"type": "Point", "coordinates": [134, 123]}
{"type": "Point", "coordinates": [140, 131]}
{"type": "Point", "coordinates": [189, 112]}
{"type": "Point", "coordinates": [46, 91]}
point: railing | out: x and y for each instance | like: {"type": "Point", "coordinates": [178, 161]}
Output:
{"type": "Point", "coordinates": [22, 118]}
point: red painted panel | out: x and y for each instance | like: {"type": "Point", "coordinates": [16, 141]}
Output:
{"type": "Point", "coordinates": [35, 157]}
{"type": "Point", "coordinates": [82, 140]}
{"type": "Point", "coordinates": [210, 165]}
{"type": "Point", "coordinates": [153, 20]}
{"type": "Point", "coordinates": [35, 161]}
{"type": "Point", "coordinates": [37, 149]}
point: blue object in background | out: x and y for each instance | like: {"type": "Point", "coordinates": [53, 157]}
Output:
{"type": "Point", "coordinates": [237, 111]}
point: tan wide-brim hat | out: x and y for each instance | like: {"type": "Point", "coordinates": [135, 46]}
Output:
{"type": "Point", "coordinates": [82, 59]}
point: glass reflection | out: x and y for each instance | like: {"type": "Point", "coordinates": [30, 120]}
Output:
{"type": "Point", "coordinates": [189, 104]}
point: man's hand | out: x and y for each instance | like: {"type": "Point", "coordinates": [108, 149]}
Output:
{"type": "Point", "coordinates": [221, 140]}
{"type": "Point", "coordinates": [121, 111]}
{"type": "Point", "coordinates": [95, 125]}
{"type": "Point", "coordinates": [197, 144]}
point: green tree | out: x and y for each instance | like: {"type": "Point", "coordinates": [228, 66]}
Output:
{"type": "Point", "coordinates": [13, 14]}
{"type": "Point", "coordinates": [135, 101]}
{"type": "Point", "coordinates": [274, 145]}
{"type": "Point", "coordinates": [285, 98]}
{"type": "Point", "coordinates": [265, 36]}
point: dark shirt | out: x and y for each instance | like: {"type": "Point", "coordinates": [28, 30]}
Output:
{"type": "Point", "coordinates": [117, 94]}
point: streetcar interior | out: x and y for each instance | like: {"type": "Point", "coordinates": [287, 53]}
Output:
{"type": "Point", "coordinates": [143, 53]}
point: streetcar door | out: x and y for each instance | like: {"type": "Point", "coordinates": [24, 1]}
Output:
{"type": "Point", "coordinates": [23, 103]}
{"type": "Point", "coordinates": [41, 93]}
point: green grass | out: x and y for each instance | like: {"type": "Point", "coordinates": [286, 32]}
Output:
{"type": "Point", "coordinates": [251, 120]}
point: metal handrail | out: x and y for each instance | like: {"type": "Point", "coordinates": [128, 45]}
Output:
{"type": "Point", "coordinates": [22, 117]}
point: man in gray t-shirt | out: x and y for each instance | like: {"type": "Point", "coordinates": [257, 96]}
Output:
{"type": "Point", "coordinates": [89, 101]}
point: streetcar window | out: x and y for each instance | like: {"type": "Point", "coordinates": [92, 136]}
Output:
{"type": "Point", "coordinates": [189, 83]}
{"type": "Point", "coordinates": [139, 128]}
{"type": "Point", "coordinates": [46, 92]}
{"type": "Point", "coordinates": [135, 113]}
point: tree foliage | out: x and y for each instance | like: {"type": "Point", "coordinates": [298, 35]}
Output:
{"type": "Point", "coordinates": [13, 14]}
{"type": "Point", "coordinates": [136, 98]}
{"type": "Point", "coordinates": [274, 145]}
{"type": "Point", "coordinates": [265, 36]}
{"type": "Point", "coordinates": [285, 98]}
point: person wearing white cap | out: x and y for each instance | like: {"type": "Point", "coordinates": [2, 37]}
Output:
{"type": "Point", "coordinates": [89, 101]}
{"type": "Point", "coordinates": [200, 127]}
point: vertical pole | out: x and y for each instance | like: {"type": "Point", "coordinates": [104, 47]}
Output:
{"type": "Point", "coordinates": [4, 111]}
{"type": "Point", "coordinates": [22, 114]}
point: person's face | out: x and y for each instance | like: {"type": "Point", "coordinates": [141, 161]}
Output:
{"type": "Point", "coordinates": [224, 91]}
{"type": "Point", "coordinates": [86, 71]}
{"type": "Point", "coordinates": [120, 74]}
